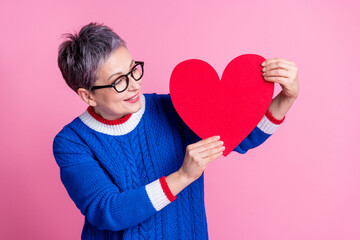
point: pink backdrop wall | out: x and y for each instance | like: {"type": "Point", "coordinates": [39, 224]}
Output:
{"type": "Point", "coordinates": [303, 183]}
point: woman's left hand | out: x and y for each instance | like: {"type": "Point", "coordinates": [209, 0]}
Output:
{"type": "Point", "coordinates": [285, 73]}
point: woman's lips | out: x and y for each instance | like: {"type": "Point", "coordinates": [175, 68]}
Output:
{"type": "Point", "coordinates": [133, 98]}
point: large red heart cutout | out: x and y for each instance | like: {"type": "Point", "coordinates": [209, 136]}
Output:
{"type": "Point", "coordinates": [231, 107]}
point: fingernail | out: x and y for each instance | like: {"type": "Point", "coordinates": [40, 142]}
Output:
{"type": "Point", "coordinates": [223, 148]}
{"type": "Point", "coordinates": [221, 142]}
{"type": "Point", "coordinates": [217, 137]}
{"type": "Point", "coordinates": [263, 64]}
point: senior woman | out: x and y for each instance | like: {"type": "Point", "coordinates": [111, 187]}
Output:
{"type": "Point", "coordinates": [130, 164]}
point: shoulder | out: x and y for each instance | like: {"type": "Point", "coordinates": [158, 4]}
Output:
{"type": "Point", "coordinates": [164, 103]}
{"type": "Point", "coordinates": [168, 111]}
{"type": "Point", "coordinates": [160, 103]}
{"type": "Point", "coordinates": [68, 135]}
{"type": "Point", "coordinates": [68, 129]}
{"type": "Point", "coordinates": [163, 97]}
{"type": "Point", "coordinates": [69, 146]}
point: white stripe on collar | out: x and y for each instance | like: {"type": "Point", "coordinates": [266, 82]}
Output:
{"type": "Point", "coordinates": [115, 130]}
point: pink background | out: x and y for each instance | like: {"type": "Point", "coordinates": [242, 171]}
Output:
{"type": "Point", "coordinates": [303, 183]}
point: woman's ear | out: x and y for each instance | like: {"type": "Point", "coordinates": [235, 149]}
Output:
{"type": "Point", "coordinates": [87, 96]}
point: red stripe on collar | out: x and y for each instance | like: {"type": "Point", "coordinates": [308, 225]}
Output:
{"type": "Point", "coordinates": [105, 121]}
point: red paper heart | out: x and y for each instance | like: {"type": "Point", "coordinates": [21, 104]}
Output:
{"type": "Point", "coordinates": [231, 107]}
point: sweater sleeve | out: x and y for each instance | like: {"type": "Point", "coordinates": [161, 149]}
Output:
{"type": "Point", "coordinates": [97, 197]}
{"type": "Point", "coordinates": [264, 129]}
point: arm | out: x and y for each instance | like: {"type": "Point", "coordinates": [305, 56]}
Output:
{"type": "Point", "coordinates": [264, 129]}
{"type": "Point", "coordinates": [285, 73]}
{"type": "Point", "coordinates": [98, 199]}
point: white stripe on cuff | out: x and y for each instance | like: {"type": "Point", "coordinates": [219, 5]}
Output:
{"type": "Point", "coordinates": [267, 126]}
{"type": "Point", "coordinates": [157, 195]}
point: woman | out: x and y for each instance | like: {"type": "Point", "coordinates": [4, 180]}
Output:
{"type": "Point", "coordinates": [130, 164]}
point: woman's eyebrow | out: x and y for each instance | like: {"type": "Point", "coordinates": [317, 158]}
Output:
{"type": "Point", "coordinates": [121, 72]}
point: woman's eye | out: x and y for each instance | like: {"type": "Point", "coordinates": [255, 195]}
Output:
{"type": "Point", "coordinates": [135, 70]}
{"type": "Point", "coordinates": [120, 80]}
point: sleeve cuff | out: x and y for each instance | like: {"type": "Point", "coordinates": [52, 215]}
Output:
{"type": "Point", "coordinates": [159, 193]}
{"type": "Point", "coordinates": [268, 123]}
{"type": "Point", "coordinates": [272, 119]}
{"type": "Point", "coordinates": [166, 189]}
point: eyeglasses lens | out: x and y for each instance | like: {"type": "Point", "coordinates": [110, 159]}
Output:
{"type": "Point", "coordinates": [137, 72]}
{"type": "Point", "coordinates": [121, 84]}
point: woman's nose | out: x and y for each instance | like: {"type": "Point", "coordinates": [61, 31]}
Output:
{"type": "Point", "coordinates": [133, 84]}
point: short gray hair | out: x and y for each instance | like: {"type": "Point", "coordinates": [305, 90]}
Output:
{"type": "Point", "coordinates": [81, 55]}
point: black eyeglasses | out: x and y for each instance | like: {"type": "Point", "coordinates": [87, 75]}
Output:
{"type": "Point", "coordinates": [121, 83]}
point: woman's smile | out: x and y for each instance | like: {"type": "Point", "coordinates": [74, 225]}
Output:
{"type": "Point", "coordinates": [133, 99]}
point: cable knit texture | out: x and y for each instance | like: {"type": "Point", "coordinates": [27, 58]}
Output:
{"type": "Point", "coordinates": [115, 172]}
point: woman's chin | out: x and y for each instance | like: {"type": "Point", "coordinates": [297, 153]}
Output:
{"type": "Point", "coordinates": [135, 108]}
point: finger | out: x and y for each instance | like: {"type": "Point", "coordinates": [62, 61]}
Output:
{"type": "Point", "coordinates": [210, 152]}
{"type": "Point", "coordinates": [213, 157]}
{"type": "Point", "coordinates": [277, 73]}
{"type": "Point", "coordinates": [202, 142]}
{"type": "Point", "coordinates": [276, 65]}
{"type": "Point", "coordinates": [210, 145]}
{"type": "Point", "coordinates": [272, 60]}
{"type": "Point", "coordinates": [280, 80]}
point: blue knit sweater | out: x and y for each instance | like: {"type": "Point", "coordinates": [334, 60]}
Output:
{"type": "Point", "coordinates": [115, 172]}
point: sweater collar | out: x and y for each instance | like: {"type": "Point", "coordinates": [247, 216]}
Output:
{"type": "Point", "coordinates": [106, 121]}
{"type": "Point", "coordinates": [117, 127]}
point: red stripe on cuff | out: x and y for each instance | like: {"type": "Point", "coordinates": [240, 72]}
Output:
{"type": "Point", "coordinates": [166, 189]}
{"type": "Point", "coordinates": [272, 119]}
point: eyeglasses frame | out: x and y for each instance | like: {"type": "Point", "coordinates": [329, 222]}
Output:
{"type": "Point", "coordinates": [126, 76]}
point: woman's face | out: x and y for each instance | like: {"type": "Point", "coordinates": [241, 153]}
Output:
{"type": "Point", "coordinates": [110, 104]}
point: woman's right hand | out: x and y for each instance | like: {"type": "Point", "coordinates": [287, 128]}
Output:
{"type": "Point", "coordinates": [199, 155]}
